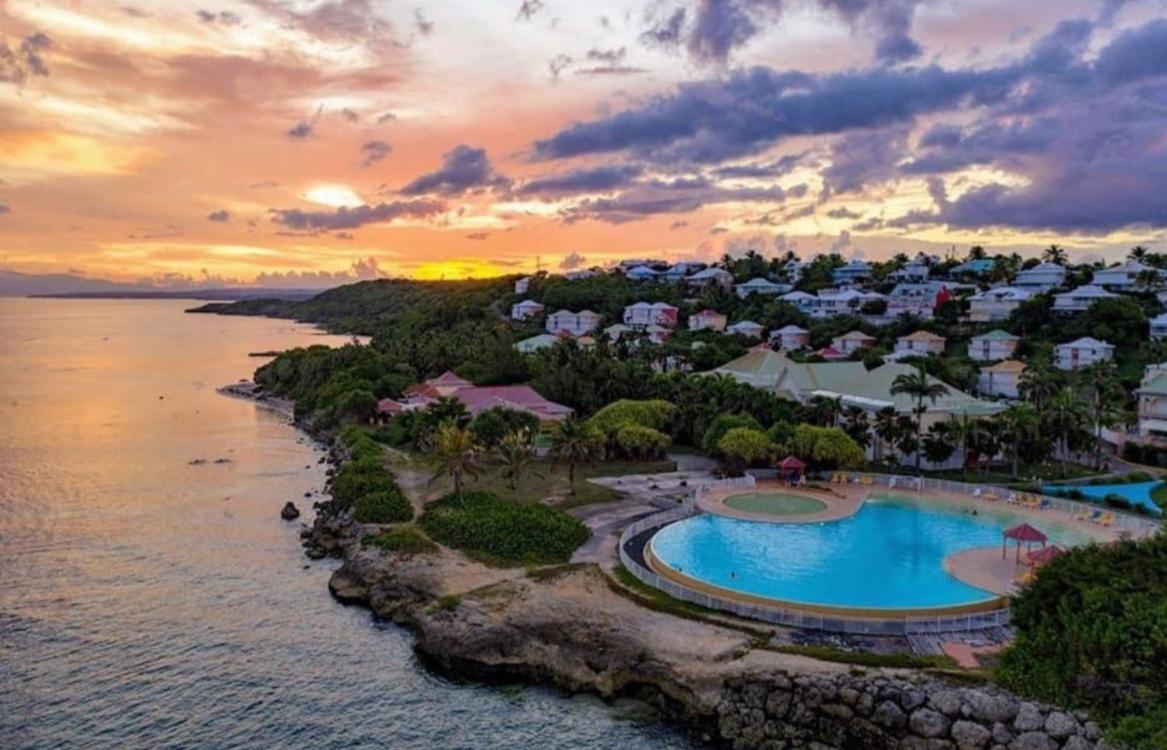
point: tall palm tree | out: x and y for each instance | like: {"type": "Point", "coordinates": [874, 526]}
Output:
{"type": "Point", "coordinates": [977, 252]}
{"type": "Point", "coordinates": [1038, 384]}
{"type": "Point", "coordinates": [1019, 425]}
{"type": "Point", "coordinates": [886, 427]}
{"type": "Point", "coordinates": [575, 442]}
{"type": "Point", "coordinates": [1065, 417]}
{"type": "Point", "coordinates": [453, 452]}
{"type": "Point", "coordinates": [1138, 252]}
{"type": "Point", "coordinates": [1104, 395]}
{"type": "Point", "coordinates": [960, 430]}
{"type": "Point", "coordinates": [856, 425]}
{"type": "Point", "coordinates": [920, 387]}
{"type": "Point", "coordinates": [1055, 254]}
{"type": "Point", "coordinates": [514, 452]}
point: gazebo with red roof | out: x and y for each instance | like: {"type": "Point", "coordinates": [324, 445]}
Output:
{"type": "Point", "coordinates": [1045, 554]}
{"type": "Point", "coordinates": [1022, 533]}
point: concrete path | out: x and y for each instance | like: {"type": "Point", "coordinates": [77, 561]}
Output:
{"type": "Point", "coordinates": [606, 521]}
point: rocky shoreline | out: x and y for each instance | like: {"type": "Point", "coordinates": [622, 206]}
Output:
{"type": "Point", "coordinates": [573, 627]}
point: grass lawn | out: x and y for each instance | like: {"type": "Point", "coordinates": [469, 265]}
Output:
{"type": "Point", "coordinates": [539, 484]}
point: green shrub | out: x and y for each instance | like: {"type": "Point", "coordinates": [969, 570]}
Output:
{"type": "Point", "coordinates": [490, 426]}
{"type": "Point", "coordinates": [826, 448]}
{"type": "Point", "coordinates": [503, 531]}
{"type": "Point", "coordinates": [404, 539]}
{"type": "Point", "coordinates": [642, 442]}
{"type": "Point", "coordinates": [723, 424]}
{"type": "Point", "coordinates": [743, 447]}
{"type": "Point", "coordinates": [656, 415]}
{"type": "Point", "coordinates": [385, 506]}
{"type": "Point", "coordinates": [367, 488]}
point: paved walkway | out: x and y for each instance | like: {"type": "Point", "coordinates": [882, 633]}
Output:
{"type": "Point", "coordinates": [606, 522]}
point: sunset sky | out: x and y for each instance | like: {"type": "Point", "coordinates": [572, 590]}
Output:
{"type": "Point", "coordinates": [306, 142]}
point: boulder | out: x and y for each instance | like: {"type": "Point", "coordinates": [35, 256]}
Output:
{"type": "Point", "coordinates": [290, 512]}
{"type": "Point", "coordinates": [1060, 725]}
{"type": "Point", "coordinates": [928, 723]}
{"type": "Point", "coordinates": [1028, 719]}
{"type": "Point", "coordinates": [1033, 741]}
{"type": "Point", "coordinates": [889, 716]}
{"type": "Point", "coordinates": [969, 735]}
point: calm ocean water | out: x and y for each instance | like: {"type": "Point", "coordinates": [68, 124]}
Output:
{"type": "Point", "coordinates": [146, 602]}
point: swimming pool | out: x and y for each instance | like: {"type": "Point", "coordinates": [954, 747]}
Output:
{"type": "Point", "coordinates": [1135, 493]}
{"type": "Point", "coordinates": [889, 555]}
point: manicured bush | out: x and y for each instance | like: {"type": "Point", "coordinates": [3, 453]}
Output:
{"type": "Point", "coordinates": [826, 448]}
{"type": "Point", "coordinates": [502, 531]}
{"type": "Point", "coordinates": [656, 415]}
{"type": "Point", "coordinates": [742, 447]}
{"type": "Point", "coordinates": [642, 442]}
{"type": "Point", "coordinates": [723, 424]}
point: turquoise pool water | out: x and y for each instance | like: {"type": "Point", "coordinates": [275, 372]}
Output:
{"type": "Point", "coordinates": [1136, 493]}
{"type": "Point", "coordinates": [889, 555]}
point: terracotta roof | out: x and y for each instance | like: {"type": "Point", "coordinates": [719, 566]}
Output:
{"type": "Point", "coordinates": [523, 397]}
{"type": "Point", "coordinates": [447, 379]}
{"type": "Point", "coordinates": [389, 406]}
{"type": "Point", "coordinates": [922, 336]}
{"type": "Point", "coordinates": [1009, 365]}
{"type": "Point", "coordinates": [422, 389]}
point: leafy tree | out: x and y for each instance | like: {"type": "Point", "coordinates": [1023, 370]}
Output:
{"type": "Point", "coordinates": [936, 446]}
{"type": "Point", "coordinates": [920, 387]}
{"type": "Point", "coordinates": [1039, 383]}
{"type": "Point", "coordinates": [656, 415]}
{"type": "Point", "coordinates": [453, 452]}
{"type": "Point", "coordinates": [574, 442]}
{"type": "Point", "coordinates": [1104, 395]}
{"type": "Point", "coordinates": [723, 424]}
{"type": "Point", "coordinates": [1019, 425]}
{"type": "Point", "coordinates": [489, 427]}
{"type": "Point", "coordinates": [1055, 254]}
{"type": "Point", "coordinates": [642, 442]}
{"type": "Point", "coordinates": [1065, 417]}
{"type": "Point", "coordinates": [743, 447]}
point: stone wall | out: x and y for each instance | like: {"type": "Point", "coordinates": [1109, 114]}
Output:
{"type": "Point", "coordinates": [857, 711]}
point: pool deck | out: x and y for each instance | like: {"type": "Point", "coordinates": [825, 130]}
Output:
{"type": "Point", "coordinates": [842, 501]}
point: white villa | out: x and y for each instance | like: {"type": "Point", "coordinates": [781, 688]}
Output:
{"type": "Point", "coordinates": [717, 276]}
{"type": "Point", "coordinates": [1122, 278]}
{"type": "Point", "coordinates": [1152, 393]}
{"type": "Point", "coordinates": [679, 271]}
{"type": "Point", "coordinates": [707, 320]}
{"type": "Point", "coordinates": [657, 334]}
{"type": "Point", "coordinates": [1002, 379]}
{"type": "Point", "coordinates": [790, 337]}
{"type": "Point", "coordinates": [522, 285]}
{"type": "Point", "coordinates": [846, 302]}
{"type": "Point", "coordinates": [852, 341]}
{"type": "Point", "coordinates": [852, 272]}
{"type": "Point", "coordinates": [528, 308]}
{"type": "Point", "coordinates": [642, 273]}
{"type": "Point", "coordinates": [1080, 299]}
{"type": "Point", "coordinates": [916, 298]}
{"type": "Point", "coordinates": [991, 346]}
{"type": "Point", "coordinates": [747, 328]}
{"type": "Point", "coordinates": [616, 331]}
{"type": "Point", "coordinates": [760, 286]}
{"type": "Point", "coordinates": [915, 272]}
{"type": "Point", "coordinates": [650, 313]}
{"type": "Point", "coordinates": [1081, 353]}
{"type": "Point", "coordinates": [793, 270]}
{"type": "Point", "coordinates": [1159, 327]}
{"type": "Point", "coordinates": [574, 324]}
{"type": "Point", "coordinates": [804, 301]}
{"type": "Point", "coordinates": [1042, 277]}
{"type": "Point", "coordinates": [995, 304]}
{"type": "Point", "coordinates": [535, 343]}
{"type": "Point", "coordinates": [920, 343]}
{"type": "Point", "coordinates": [585, 273]}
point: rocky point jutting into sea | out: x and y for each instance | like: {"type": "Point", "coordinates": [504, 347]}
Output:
{"type": "Point", "coordinates": [575, 627]}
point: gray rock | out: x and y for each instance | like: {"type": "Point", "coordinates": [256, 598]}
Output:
{"type": "Point", "coordinates": [754, 694]}
{"type": "Point", "coordinates": [1028, 718]}
{"type": "Point", "coordinates": [865, 705]}
{"type": "Point", "coordinates": [1093, 731]}
{"type": "Point", "coordinates": [1033, 741]}
{"type": "Point", "coordinates": [889, 716]}
{"type": "Point", "coordinates": [1060, 725]}
{"type": "Point", "coordinates": [1078, 743]}
{"type": "Point", "coordinates": [849, 696]}
{"type": "Point", "coordinates": [987, 707]}
{"type": "Point", "coordinates": [836, 711]}
{"type": "Point", "coordinates": [912, 699]}
{"type": "Point", "coordinates": [970, 736]}
{"type": "Point", "coordinates": [928, 723]}
{"type": "Point", "coordinates": [946, 702]}
{"type": "Point", "coordinates": [1001, 734]}
{"type": "Point", "coordinates": [778, 703]}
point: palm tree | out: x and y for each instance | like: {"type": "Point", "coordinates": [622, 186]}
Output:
{"type": "Point", "coordinates": [1055, 254]}
{"type": "Point", "coordinates": [1038, 384]}
{"type": "Point", "coordinates": [960, 430]}
{"type": "Point", "coordinates": [920, 387]}
{"type": "Point", "coordinates": [575, 442]}
{"type": "Point", "coordinates": [886, 427]}
{"type": "Point", "coordinates": [453, 452]}
{"type": "Point", "coordinates": [1138, 252]}
{"type": "Point", "coordinates": [1104, 394]}
{"type": "Point", "coordinates": [514, 451]}
{"type": "Point", "coordinates": [976, 252]}
{"type": "Point", "coordinates": [1019, 424]}
{"type": "Point", "coordinates": [1065, 418]}
{"type": "Point", "coordinates": [856, 425]}
{"type": "Point", "coordinates": [1149, 279]}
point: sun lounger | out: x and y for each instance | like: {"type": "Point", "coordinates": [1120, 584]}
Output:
{"type": "Point", "coordinates": [977, 492]}
{"type": "Point", "coordinates": [1107, 519]}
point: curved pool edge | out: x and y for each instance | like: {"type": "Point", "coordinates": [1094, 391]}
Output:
{"type": "Point", "coordinates": [993, 603]}
{"type": "Point", "coordinates": [841, 503]}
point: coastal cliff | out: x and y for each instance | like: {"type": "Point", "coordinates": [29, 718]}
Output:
{"type": "Point", "coordinates": [570, 627]}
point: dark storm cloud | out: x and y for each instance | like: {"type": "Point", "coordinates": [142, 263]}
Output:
{"type": "Point", "coordinates": [222, 215]}
{"type": "Point", "coordinates": [864, 157]}
{"type": "Point", "coordinates": [464, 169]}
{"type": "Point", "coordinates": [666, 32]}
{"type": "Point", "coordinates": [585, 180]}
{"type": "Point", "coordinates": [773, 168]}
{"type": "Point", "coordinates": [654, 197]}
{"type": "Point", "coordinates": [352, 218]}
{"type": "Point", "coordinates": [373, 152]}
{"type": "Point", "coordinates": [890, 21]}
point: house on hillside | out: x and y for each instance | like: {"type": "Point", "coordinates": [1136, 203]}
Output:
{"type": "Point", "coordinates": [919, 299]}
{"type": "Point", "coordinates": [804, 301]}
{"type": "Point", "coordinates": [657, 334]}
{"type": "Point", "coordinates": [1080, 299]}
{"type": "Point", "coordinates": [447, 383]}
{"type": "Point", "coordinates": [747, 328]}
{"type": "Point", "coordinates": [526, 309]}
{"type": "Point", "coordinates": [707, 320]}
{"type": "Point", "coordinates": [712, 276]}
{"type": "Point", "coordinates": [1159, 327]}
{"type": "Point", "coordinates": [845, 302]}
{"type": "Point", "coordinates": [678, 272]}
{"type": "Point", "coordinates": [850, 342]}
{"type": "Point", "coordinates": [644, 314]}
{"type": "Point", "coordinates": [1082, 353]}
{"type": "Point", "coordinates": [1041, 278]}
{"type": "Point", "coordinates": [1002, 379]}
{"type": "Point", "coordinates": [1125, 276]}
{"type": "Point", "coordinates": [535, 343]}
{"type": "Point", "coordinates": [583, 273]}
{"type": "Point", "coordinates": [793, 270]}
{"type": "Point", "coordinates": [972, 268]}
{"type": "Point", "coordinates": [571, 323]}
{"type": "Point", "coordinates": [915, 272]}
{"type": "Point", "coordinates": [1152, 393]}
{"type": "Point", "coordinates": [618, 331]}
{"type": "Point", "coordinates": [761, 286]}
{"type": "Point", "coordinates": [852, 272]}
{"type": "Point", "coordinates": [641, 273]}
{"type": "Point", "coordinates": [995, 304]}
{"type": "Point", "coordinates": [991, 346]}
{"type": "Point", "coordinates": [522, 285]}
{"type": "Point", "coordinates": [921, 343]}
{"type": "Point", "coordinates": [790, 337]}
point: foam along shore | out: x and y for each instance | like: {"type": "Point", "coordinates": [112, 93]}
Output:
{"type": "Point", "coordinates": [249, 391]}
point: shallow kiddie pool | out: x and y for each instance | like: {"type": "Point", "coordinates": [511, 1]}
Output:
{"type": "Point", "coordinates": [775, 504]}
{"type": "Point", "coordinates": [1135, 493]}
{"type": "Point", "coordinates": [888, 556]}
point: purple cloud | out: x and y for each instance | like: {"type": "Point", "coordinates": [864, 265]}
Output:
{"type": "Point", "coordinates": [586, 180]}
{"type": "Point", "coordinates": [352, 218]}
{"type": "Point", "coordinates": [373, 152]}
{"type": "Point", "coordinates": [464, 169]}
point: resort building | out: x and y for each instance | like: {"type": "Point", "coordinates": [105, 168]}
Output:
{"type": "Point", "coordinates": [447, 383]}
{"type": "Point", "coordinates": [920, 343]}
{"type": "Point", "coordinates": [995, 304]}
{"type": "Point", "coordinates": [707, 320]}
{"type": "Point", "coordinates": [992, 346]}
{"type": "Point", "coordinates": [1041, 278]}
{"type": "Point", "coordinates": [711, 277]}
{"type": "Point", "coordinates": [761, 286]}
{"type": "Point", "coordinates": [650, 313]}
{"type": "Point", "coordinates": [1152, 393]}
{"type": "Point", "coordinates": [1002, 379]}
{"type": "Point", "coordinates": [804, 301]}
{"type": "Point", "coordinates": [853, 272]}
{"type": "Point", "coordinates": [641, 273]}
{"type": "Point", "coordinates": [919, 299]}
{"type": "Point", "coordinates": [793, 269]}
{"type": "Point", "coordinates": [915, 272]}
{"type": "Point", "coordinates": [979, 267]}
{"type": "Point", "coordinates": [1080, 299]}
{"type": "Point", "coordinates": [573, 324]}
{"type": "Point", "coordinates": [747, 328]}
{"type": "Point", "coordinates": [528, 308]}
{"type": "Point", "coordinates": [852, 341]}
{"type": "Point", "coordinates": [522, 285]}
{"type": "Point", "coordinates": [535, 343]}
{"type": "Point", "coordinates": [790, 337]}
{"type": "Point", "coordinates": [617, 331]}
{"type": "Point", "coordinates": [657, 334]}
{"type": "Point", "coordinates": [1159, 327]}
{"type": "Point", "coordinates": [1082, 353]}
{"type": "Point", "coordinates": [1125, 277]}
{"type": "Point", "coordinates": [831, 354]}
{"type": "Point", "coordinates": [521, 397]}
{"type": "Point", "coordinates": [679, 271]}
{"type": "Point", "coordinates": [846, 302]}
{"type": "Point", "coordinates": [586, 273]}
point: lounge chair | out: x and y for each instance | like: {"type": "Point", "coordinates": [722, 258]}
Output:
{"type": "Point", "coordinates": [1107, 519]}
{"type": "Point", "coordinates": [1082, 515]}
{"type": "Point", "coordinates": [1094, 516]}
{"type": "Point", "coordinates": [977, 492]}
{"type": "Point", "coordinates": [991, 495]}
{"type": "Point", "coordinates": [1013, 498]}
{"type": "Point", "coordinates": [1045, 504]}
